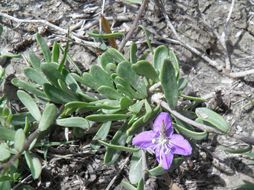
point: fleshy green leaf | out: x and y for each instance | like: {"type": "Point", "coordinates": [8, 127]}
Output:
{"type": "Point", "coordinates": [34, 165]}
{"type": "Point", "coordinates": [118, 147]}
{"type": "Point", "coordinates": [57, 95]}
{"type": "Point", "coordinates": [239, 150]}
{"type": "Point", "coordinates": [119, 138]}
{"type": "Point", "coordinates": [190, 133]}
{"type": "Point", "coordinates": [173, 59]}
{"type": "Point", "coordinates": [106, 117]}
{"type": "Point", "coordinates": [125, 71]}
{"type": "Point", "coordinates": [31, 88]}
{"type": "Point", "coordinates": [116, 55]}
{"type": "Point", "coordinates": [109, 92]}
{"type": "Point", "coordinates": [30, 104]}
{"type": "Point", "coordinates": [133, 53]}
{"type": "Point", "coordinates": [140, 185]}
{"type": "Point", "coordinates": [5, 185]}
{"type": "Point", "coordinates": [34, 61]}
{"type": "Point", "coordinates": [127, 185]}
{"type": "Point", "coordinates": [212, 118]}
{"type": "Point", "coordinates": [96, 78]}
{"type": "Point", "coordinates": [135, 108]}
{"type": "Point", "coordinates": [182, 83]}
{"type": "Point", "coordinates": [55, 52]}
{"type": "Point", "coordinates": [4, 152]}
{"type": "Point", "coordinates": [19, 140]}
{"type": "Point", "coordinates": [169, 83]}
{"type": "Point", "coordinates": [158, 170]}
{"type": "Point", "coordinates": [44, 48]}
{"type": "Point", "coordinates": [101, 134]}
{"type": "Point", "coordinates": [48, 117]}
{"type": "Point", "coordinates": [35, 76]}
{"type": "Point", "coordinates": [74, 122]}
{"type": "Point", "coordinates": [7, 134]}
{"type": "Point", "coordinates": [20, 118]}
{"type": "Point", "coordinates": [160, 54]}
{"type": "Point", "coordinates": [50, 70]}
{"type": "Point", "coordinates": [136, 171]}
{"type": "Point", "coordinates": [146, 69]}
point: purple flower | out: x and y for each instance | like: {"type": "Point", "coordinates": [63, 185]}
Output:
{"type": "Point", "coordinates": [162, 141]}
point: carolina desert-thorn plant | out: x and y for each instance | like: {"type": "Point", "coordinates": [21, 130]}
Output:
{"type": "Point", "coordinates": [114, 94]}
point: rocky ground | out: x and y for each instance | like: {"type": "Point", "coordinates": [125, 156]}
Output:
{"type": "Point", "coordinates": [74, 166]}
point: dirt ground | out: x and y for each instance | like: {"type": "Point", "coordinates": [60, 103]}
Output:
{"type": "Point", "coordinates": [75, 166]}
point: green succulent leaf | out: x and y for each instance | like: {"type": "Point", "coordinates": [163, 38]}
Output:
{"type": "Point", "coordinates": [74, 122]}
{"type": "Point", "coordinates": [182, 83]}
{"type": "Point", "coordinates": [127, 185]}
{"type": "Point", "coordinates": [109, 92]}
{"type": "Point", "coordinates": [44, 48]}
{"type": "Point", "coordinates": [190, 133]}
{"type": "Point", "coordinates": [107, 117]}
{"type": "Point", "coordinates": [7, 134]}
{"type": "Point", "coordinates": [48, 117]}
{"type": "Point", "coordinates": [35, 76]}
{"type": "Point", "coordinates": [50, 70]}
{"type": "Point", "coordinates": [160, 54]}
{"type": "Point", "coordinates": [34, 165]}
{"type": "Point", "coordinates": [55, 52]}
{"type": "Point", "coordinates": [101, 134]}
{"type": "Point", "coordinates": [173, 59]}
{"type": "Point", "coordinates": [118, 147]}
{"type": "Point", "coordinates": [30, 104]}
{"type": "Point", "coordinates": [136, 171]}
{"type": "Point", "coordinates": [133, 53]}
{"type": "Point", "coordinates": [30, 87]}
{"type": "Point", "coordinates": [212, 118]}
{"type": "Point", "coordinates": [125, 71]}
{"type": "Point", "coordinates": [158, 170]}
{"type": "Point", "coordinates": [34, 61]}
{"type": "Point", "coordinates": [5, 185]}
{"type": "Point", "coordinates": [57, 95]}
{"type": "Point", "coordinates": [239, 150]}
{"type": "Point", "coordinates": [119, 138]}
{"type": "Point", "coordinates": [169, 83]}
{"type": "Point", "coordinates": [19, 140]}
{"type": "Point", "coordinates": [4, 152]}
{"type": "Point", "coordinates": [140, 185]}
{"type": "Point", "coordinates": [146, 69]}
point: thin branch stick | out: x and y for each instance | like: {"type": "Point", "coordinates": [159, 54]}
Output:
{"type": "Point", "coordinates": [200, 54]}
{"type": "Point", "coordinates": [186, 45]}
{"type": "Point", "coordinates": [118, 173]}
{"type": "Point", "coordinates": [241, 74]}
{"type": "Point", "coordinates": [134, 26]}
{"type": "Point", "coordinates": [233, 75]}
{"type": "Point", "coordinates": [156, 99]}
{"type": "Point", "coordinates": [72, 35]}
{"type": "Point", "coordinates": [224, 36]}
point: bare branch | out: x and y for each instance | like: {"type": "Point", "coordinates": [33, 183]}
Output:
{"type": "Point", "coordinates": [72, 35]}
{"type": "Point", "coordinates": [134, 26]}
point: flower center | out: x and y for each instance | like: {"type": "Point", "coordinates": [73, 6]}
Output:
{"type": "Point", "coordinates": [163, 143]}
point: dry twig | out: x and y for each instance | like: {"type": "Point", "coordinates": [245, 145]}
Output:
{"type": "Point", "coordinates": [134, 26]}
{"type": "Point", "coordinates": [72, 35]}
{"type": "Point", "coordinates": [179, 40]}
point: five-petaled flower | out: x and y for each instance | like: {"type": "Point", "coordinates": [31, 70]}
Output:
{"type": "Point", "coordinates": [162, 141]}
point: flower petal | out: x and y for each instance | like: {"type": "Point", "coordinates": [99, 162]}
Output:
{"type": "Point", "coordinates": [163, 118]}
{"type": "Point", "coordinates": [165, 160]}
{"type": "Point", "coordinates": [144, 140]}
{"type": "Point", "coordinates": [181, 145]}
